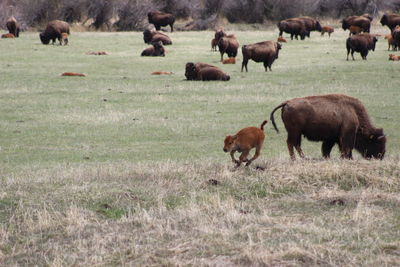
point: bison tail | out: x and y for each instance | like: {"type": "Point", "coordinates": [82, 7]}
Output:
{"type": "Point", "coordinates": [262, 125]}
{"type": "Point", "coordinates": [271, 117]}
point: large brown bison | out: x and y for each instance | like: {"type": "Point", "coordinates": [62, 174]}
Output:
{"type": "Point", "coordinates": [361, 43]}
{"type": "Point", "coordinates": [151, 36]}
{"type": "Point", "coordinates": [390, 20]}
{"type": "Point", "coordinates": [332, 119]}
{"type": "Point", "coordinates": [294, 27]}
{"type": "Point", "coordinates": [204, 72]}
{"type": "Point", "coordinates": [13, 26]}
{"type": "Point", "coordinates": [53, 31]}
{"type": "Point", "coordinates": [265, 52]}
{"type": "Point", "coordinates": [156, 50]}
{"type": "Point", "coordinates": [311, 24]}
{"type": "Point", "coordinates": [396, 37]}
{"type": "Point", "coordinates": [226, 44]}
{"type": "Point", "coordinates": [364, 22]}
{"type": "Point", "coordinates": [161, 19]}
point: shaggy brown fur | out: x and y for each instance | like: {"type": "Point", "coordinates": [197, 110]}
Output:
{"type": "Point", "coordinates": [229, 45]}
{"type": "Point", "coordinates": [363, 22]}
{"type": "Point", "coordinates": [331, 119]}
{"type": "Point", "coordinates": [294, 27]}
{"type": "Point", "coordinates": [281, 39]}
{"type": "Point", "coordinates": [230, 60]}
{"type": "Point", "coordinates": [265, 52]}
{"type": "Point", "coordinates": [151, 36]}
{"type": "Point", "coordinates": [214, 43]}
{"type": "Point", "coordinates": [391, 42]}
{"type": "Point", "coordinates": [354, 30]}
{"type": "Point", "coordinates": [242, 142]}
{"type": "Point", "coordinates": [13, 26]}
{"type": "Point", "coordinates": [327, 29]}
{"type": "Point", "coordinates": [361, 43]}
{"type": "Point", "coordinates": [396, 36]}
{"type": "Point", "coordinates": [53, 31]}
{"type": "Point", "coordinates": [161, 19]}
{"type": "Point", "coordinates": [390, 20]}
{"type": "Point", "coordinates": [311, 24]}
{"type": "Point", "coordinates": [7, 35]}
{"type": "Point", "coordinates": [157, 50]}
{"type": "Point", "coordinates": [204, 72]}
{"type": "Point", "coordinates": [73, 74]}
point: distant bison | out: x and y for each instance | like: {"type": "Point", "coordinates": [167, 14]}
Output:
{"type": "Point", "coordinates": [390, 20]}
{"type": "Point", "coordinates": [396, 36]}
{"type": "Point", "coordinates": [73, 74]}
{"type": "Point", "coordinates": [204, 72]}
{"type": "Point", "coordinates": [214, 43]}
{"type": "Point", "coordinates": [161, 19]}
{"type": "Point", "coordinates": [394, 57]}
{"type": "Point", "coordinates": [311, 24]}
{"type": "Point", "coordinates": [265, 52]}
{"type": "Point", "coordinates": [281, 39]}
{"type": "Point", "coordinates": [295, 27]}
{"type": "Point", "coordinates": [151, 36]}
{"type": "Point", "coordinates": [227, 44]}
{"type": "Point", "coordinates": [364, 22]}
{"type": "Point", "coordinates": [13, 26]}
{"type": "Point", "coordinates": [7, 35]}
{"type": "Point", "coordinates": [391, 42]}
{"type": "Point", "coordinates": [157, 50]}
{"type": "Point", "coordinates": [361, 43]}
{"type": "Point", "coordinates": [327, 29]}
{"type": "Point", "coordinates": [332, 119]}
{"type": "Point", "coordinates": [54, 31]}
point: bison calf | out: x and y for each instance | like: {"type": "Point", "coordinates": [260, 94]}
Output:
{"type": "Point", "coordinates": [157, 50]}
{"type": "Point", "coordinates": [327, 29]}
{"type": "Point", "coordinates": [230, 60]}
{"type": "Point", "coordinates": [394, 57]}
{"type": "Point", "coordinates": [391, 42]}
{"type": "Point", "coordinates": [214, 43]}
{"type": "Point", "coordinates": [64, 38]}
{"type": "Point", "coordinates": [7, 35]}
{"type": "Point", "coordinates": [281, 39]}
{"type": "Point", "coordinates": [265, 52]}
{"type": "Point", "coordinates": [242, 142]}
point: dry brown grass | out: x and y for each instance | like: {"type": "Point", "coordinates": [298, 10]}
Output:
{"type": "Point", "coordinates": [305, 213]}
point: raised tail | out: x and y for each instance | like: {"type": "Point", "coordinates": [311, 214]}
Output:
{"type": "Point", "coordinates": [272, 115]}
{"type": "Point", "coordinates": [262, 125]}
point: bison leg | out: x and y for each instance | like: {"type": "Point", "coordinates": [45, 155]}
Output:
{"type": "Point", "coordinates": [280, 33]}
{"type": "Point", "coordinates": [158, 27]}
{"type": "Point", "coordinates": [327, 148]}
{"type": "Point", "coordinates": [256, 155]}
{"type": "Point", "coordinates": [172, 27]}
{"type": "Point", "coordinates": [233, 158]}
{"type": "Point", "coordinates": [222, 56]}
{"type": "Point", "coordinates": [346, 142]}
{"type": "Point", "coordinates": [243, 156]}
{"type": "Point", "coordinates": [291, 36]}
{"type": "Point", "coordinates": [266, 66]}
{"type": "Point", "coordinates": [244, 64]}
{"type": "Point", "coordinates": [291, 151]}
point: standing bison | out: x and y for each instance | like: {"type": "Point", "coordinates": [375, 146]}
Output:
{"type": "Point", "coordinates": [54, 31]}
{"type": "Point", "coordinates": [396, 37]}
{"type": "Point", "coordinates": [265, 52]}
{"type": "Point", "coordinates": [311, 24]}
{"type": "Point", "coordinates": [294, 27]}
{"type": "Point", "coordinates": [204, 72]}
{"type": "Point", "coordinates": [150, 37]}
{"type": "Point", "coordinates": [161, 19]}
{"type": "Point", "coordinates": [364, 22]}
{"type": "Point", "coordinates": [332, 119]}
{"type": "Point", "coordinates": [361, 43]}
{"type": "Point", "coordinates": [12, 26]}
{"type": "Point", "coordinates": [390, 20]}
{"type": "Point", "coordinates": [226, 44]}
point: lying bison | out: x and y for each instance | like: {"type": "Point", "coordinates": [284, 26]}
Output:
{"type": "Point", "coordinates": [161, 19]}
{"type": "Point", "coordinates": [295, 27]}
{"type": "Point", "coordinates": [204, 72]}
{"type": "Point", "coordinates": [361, 43]}
{"type": "Point", "coordinates": [156, 50]}
{"type": "Point", "coordinates": [332, 119]}
{"type": "Point", "coordinates": [151, 36]}
{"type": "Point", "coordinates": [265, 52]}
{"type": "Point", "coordinates": [54, 31]}
{"type": "Point", "coordinates": [390, 20]}
{"type": "Point", "coordinates": [12, 26]}
{"type": "Point", "coordinates": [364, 22]}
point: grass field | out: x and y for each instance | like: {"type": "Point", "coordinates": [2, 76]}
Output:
{"type": "Point", "coordinates": [114, 168]}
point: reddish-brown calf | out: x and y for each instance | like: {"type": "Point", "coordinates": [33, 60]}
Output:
{"type": "Point", "coordinates": [7, 35]}
{"type": "Point", "coordinates": [245, 140]}
{"type": "Point", "coordinates": [73, 74]}
{"type": "Point", "coordinates": [327, 29]}
{"type": "Point", "coordinates": [281, 39]}
{"type": "Point", "coordinates": [394, 57]}
{"type": "Point", "coordinates": [354, 30]}
{"type": "Point", "coordinates": [230, 60]}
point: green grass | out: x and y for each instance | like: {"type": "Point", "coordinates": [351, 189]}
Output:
{"type": "Point", "coordinates": [113, 168]}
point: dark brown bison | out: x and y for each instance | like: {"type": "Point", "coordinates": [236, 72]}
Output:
{"type": "Point", "coordinates": [157, 50]}
{"type": "Point", "coordinates": [294, 27]}
{"type": "Point", "coordinates": [390, 20]}
{"type": "Point", "coordinates": [151, 36]}
{"type": "Point", "coordinates": [226, 44]}
{"type": "Point", "coordinates": [364, 22]}
{"type": "Point", "coordinates": [204, 72]}
{"type": "Point", "coordinates": [161, 19]}
{"type": "Point", "coordinates": [361, 43]}
{"type": "Point", "coordinates": [311, 24]}
{"type": "Point", "coordinates": [332, 119]}
{"type": "Point", "coordinates": [53, 31]}
{"type": "Point", "coordinates": [265, 52]}
{"type": "Point", "coordinates": [396, 36]}
{"type": "Point", "coordinates": [12, 26]}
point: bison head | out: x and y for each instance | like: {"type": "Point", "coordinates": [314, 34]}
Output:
{"type": "Point", "coordinates": [147, 36]}
{"type": "Point", "coordinates": [219, 34]}
{"type": "Point", "coordinates": [45, 40]}
{"type": "Point", "coordinates": [159, 49]}
{"type": "Point", "coordinates": [374, 40]}
{"type": "Point", "coordinates": [345, 24]}
{"type": "Point", "coordinates": [190, 71]}
{"type": "Point", "coordinates": [372, 146]}
{"type": "Point", "coordinates": [229, 143]}
{"type": "Point", "coordinates": [384, 20]}
{"type": "Point", "coordinates": [318, 26]}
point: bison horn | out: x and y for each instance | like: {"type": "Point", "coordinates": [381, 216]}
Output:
{"type": "Point", "coordinates": [380, 137]}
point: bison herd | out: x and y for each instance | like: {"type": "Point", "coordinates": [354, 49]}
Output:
{"type": "Point", "coordinates": [331, 119]}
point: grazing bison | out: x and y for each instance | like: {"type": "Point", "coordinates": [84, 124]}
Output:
{"type": "Point", "coordinates": [396, 36]}
{"type": "Point", "coordinates": [53, 31]}
{"type": "Point", "coordinates": [364, 22]}
{"type": "Point", "coordinates": [361, 43]}
{"type": "Point", "coordinates": [7, 35]}
{"type": "Point", "coordinates": [265, 52]}
{"type": "Point", "coordinates": [390, 20]}
{"type": "Point", "coordinates": [244, 141]}
{"type": "Point", "coordinates": [229, 45]}
{"type": "Point", "coordinates": [332, 119]}
{"type": "Point", "coordinates": [157, 50]}
{"type": "Point", "coordinates": [155, 36]}
{"type": "Point", "coordinates": [327, 29]}
{"type": "Point", "coordinates": [161, 19]}
{"type": "Point", "coordinates": [12, 26]}
{"type": "Point", "coordinates": [294, 27]}
{"type": "Point", "coordinates": [204, 72]}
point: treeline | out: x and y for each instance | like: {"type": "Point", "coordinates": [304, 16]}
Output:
{"type": "Point", "coordinates": [126, 15]}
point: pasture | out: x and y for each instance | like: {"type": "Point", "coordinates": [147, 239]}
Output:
{"type": "Point", "coordinates": [123, 167]}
